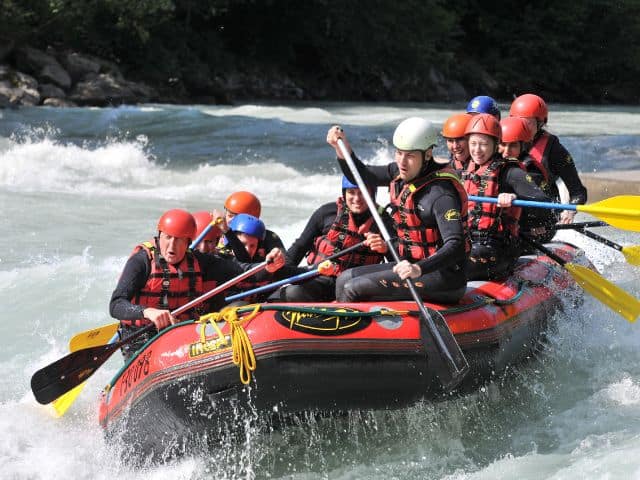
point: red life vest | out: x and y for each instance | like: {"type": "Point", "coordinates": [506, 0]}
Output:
{"type": "Point", "coordinates": [415, 240]}
{"type": "Point", "coordinates": [487, 219]}
{"type": "Point", "coordinates": [538, 156]}
{"type": "Point", "coordinates": [168, 286]}
{"type": "Point", "coordinates": [459, 167]}
{"type": "Point", "coordinates": [342, 234]}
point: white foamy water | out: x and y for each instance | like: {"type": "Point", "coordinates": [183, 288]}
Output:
{"type": "Point", "coordinates": [80, 187]}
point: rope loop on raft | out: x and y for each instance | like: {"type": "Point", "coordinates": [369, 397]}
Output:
{"type": "Point", "coordinates": [243, 355]}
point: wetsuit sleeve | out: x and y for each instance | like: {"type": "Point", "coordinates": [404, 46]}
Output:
{"type": "Point", "coordinates": [562, 165]}
{"type": "Point", "coordinates": [316, 226]}
{"type": "Point", "coordinates": [516, 180]}
{"type": "Point", "coordinates": [439, 206]}
{"type": "Point", "coordinates": [379, 176]}
{"type": "Point", "coordinates": [239, 251]}
{"type": "Point", "coordinates": [132, 280]}
{"type": "Point", "coordinates": [523, 184]}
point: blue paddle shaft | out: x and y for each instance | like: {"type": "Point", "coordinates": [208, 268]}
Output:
{"type": "Point", "coordinates": [272, 286]}
{"type": "Point", "coordinates": [527, 203]}
{"type": "Point", "coordinates": [203, 234]}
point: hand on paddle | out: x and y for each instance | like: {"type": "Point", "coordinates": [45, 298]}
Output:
{"type": "Point", "coordinates": [275, 260]}
{"type": "Point", "coordinates": [506, 199]}
{"type": "Point", "coordinates": [375, 242]}
{"type": "Point", "coordinates": [566, 217]}
{"type": "Point", "coordinates": [328, 268]}
{"type": "Point", "coordinates": [160, 318]}
{"type": "Point", "coordinates": [219, 218]}
{"type": "Point", "coordinates": [333, 135]}
{"type": "Point", "coordinates": [406, 269]}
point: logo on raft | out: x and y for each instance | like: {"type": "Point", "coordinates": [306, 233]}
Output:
{"type": "Point", "coordinates": [213, 345]}
{"type": "Point", "coordinates": [317, 323]}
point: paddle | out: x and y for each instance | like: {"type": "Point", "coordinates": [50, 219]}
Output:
{"type": "Point", "coordinates": [62, 403]}
{"type": "Point", "coordinates": [579, 225]}
{"type": "Point", "coordinates": [295, 278]}
{"type": "Point", "coordinates": [442, 348]}
{"type": "Point", "coordinates": [608, 293]}
{"type": "Point", "coordinates": [621, 212]}
{"type": "Point", "coordinates": [58, 378]}
{"type": "Point", "coordinates": [95, 336]}
{"type": "Point", "coordinates": [204, 233]}
{"type": "Point", "coordinates": [631, 253]}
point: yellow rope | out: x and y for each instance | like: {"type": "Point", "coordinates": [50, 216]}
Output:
{"type": "Point", "coordinates": [243, 354]}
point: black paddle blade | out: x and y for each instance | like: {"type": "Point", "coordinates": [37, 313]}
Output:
{"type": "Point", "coordinates": [58, 378]}
{"type": "Point", "coordinates": [449, 363]}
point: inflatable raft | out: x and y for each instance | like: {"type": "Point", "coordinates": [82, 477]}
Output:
{"type": "Point", "coordinates": [278, 359]}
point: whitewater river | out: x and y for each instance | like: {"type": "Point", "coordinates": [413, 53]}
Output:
{"type": "Point", "coordinates": [80, 187]}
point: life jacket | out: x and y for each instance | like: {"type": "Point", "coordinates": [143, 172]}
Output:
{"type": "Point", "coordinates": [487, 219]}
{"type": "Point", "coordinates": [168, 286]}
{"type": "Point", "coordinates": [342, 234]}
{"type": "Point", "coordinates": [537, 159]}
{"type": "Point", "coordinates": [459, 167]}
{"type": "Point", "coordinates": [415, 240]}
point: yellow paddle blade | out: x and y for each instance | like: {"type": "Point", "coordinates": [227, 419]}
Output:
{"type": "Point", "coordinates": [632, 254]}
{"type": "Point", "coordinates": [622, 211]}
{"type": "Point", "coordinates": [614, 297]}
{"type": "Point", "coordinates": [93, 337]}
{"type": "Point", "coordinates": [62, 404]}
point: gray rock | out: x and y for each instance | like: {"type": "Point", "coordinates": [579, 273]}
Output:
{"type": "Point", "coordinates": [48, 90]}
{"type": "Point", "coordinates": [56, 74]}
{"type": "Point", "coordinates": [58, 102]}
{"type": "Point", "coordinates": [104, 89]}
{"type": "Point", "coordinates": [78, 65]}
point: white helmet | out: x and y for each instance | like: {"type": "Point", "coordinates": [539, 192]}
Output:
{"type": "Point", "coordinates": [415, 134]}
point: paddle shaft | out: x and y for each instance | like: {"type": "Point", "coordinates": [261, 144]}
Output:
{"type": "Point", "coordinates": [203, 234]}
{"type": "Point", "coordinates": [580, 225]}
{"type": "Point", "coordinates": [544, 250]}
{"type": "Point", "coordinates": [295, 278]}
{"type": "Point", "coordinates": [456, 367]}
{"type": "Point", "coordinates": [527, 203]}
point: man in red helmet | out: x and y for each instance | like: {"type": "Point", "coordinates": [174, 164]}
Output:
{"type": "Point", "coordinates": [547, 157]}
{"type": "Point", "coordinates": [210, 241]}
{"type": "Point", "coordinates": [163, 274]}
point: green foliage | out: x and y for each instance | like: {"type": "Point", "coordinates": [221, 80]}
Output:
{"type": "Point", "coordinates": [565, 50]}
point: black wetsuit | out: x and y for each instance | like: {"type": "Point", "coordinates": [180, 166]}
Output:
{"type": "Point", "coordinates": [443, 276]}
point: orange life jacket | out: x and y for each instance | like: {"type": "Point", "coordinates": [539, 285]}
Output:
{"type": "Point", "coordinates": [342, 234]}
{"type": "Point", "coordinates": [415, 240]}
{"type": "Point", "coordinates": [487, 219]}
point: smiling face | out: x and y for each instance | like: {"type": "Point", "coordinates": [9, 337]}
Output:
{"type": "Point", "coordinates": [410, 163]}
{"type": "Point", "coordinates": [173, 249]}
{"type": "Point", "coordinates": [355, 200]}
{"type": "Point", "coordinates": [481, 147]}
{"type": "Point", "coordinates": [458, 148]}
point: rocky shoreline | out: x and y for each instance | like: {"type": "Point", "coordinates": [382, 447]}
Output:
{"type": "Point", "coordinates": [64, 78]}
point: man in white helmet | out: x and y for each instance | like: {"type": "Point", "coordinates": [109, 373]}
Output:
{"type": "Point", "coordinates": [429, 209]}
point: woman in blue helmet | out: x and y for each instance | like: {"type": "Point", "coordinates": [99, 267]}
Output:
{"type": "Point", "coordinates": [332, 228]}
{"type": "Point", "coordinates": [483, 104]}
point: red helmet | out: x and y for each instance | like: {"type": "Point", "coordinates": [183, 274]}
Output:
{"type": "Point", "coordinates": [455, 125]}
{"type": "Point", "coordinates": [177, 223]}
{"type": "Point", "coordinates": [484, 123]}
{"type": "Point", "coordinates": [530, 105]}
{"type": "Point", "coordinates": [243, 202]}
{"type": "Point", "coordinates": [515, 129]}
{"type": "Point", "coordinates": [203, 219]}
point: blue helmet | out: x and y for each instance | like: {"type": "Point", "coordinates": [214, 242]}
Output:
{"type": "Point", "coordinates": [245, 223]}
{"type": "Point", "coordinates": [347, 184]}
{"type": "Point", "coordinates": [483, 104]}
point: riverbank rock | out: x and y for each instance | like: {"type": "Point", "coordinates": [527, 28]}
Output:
{"type": "Point", "coordinates": [29, 76]}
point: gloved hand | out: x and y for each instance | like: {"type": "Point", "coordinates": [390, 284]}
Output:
{"type": "Point", "coordinates": [328, 268]}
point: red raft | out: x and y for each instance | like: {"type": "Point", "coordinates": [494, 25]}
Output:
{"type": "Point", "coordinates": [324, 357]}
